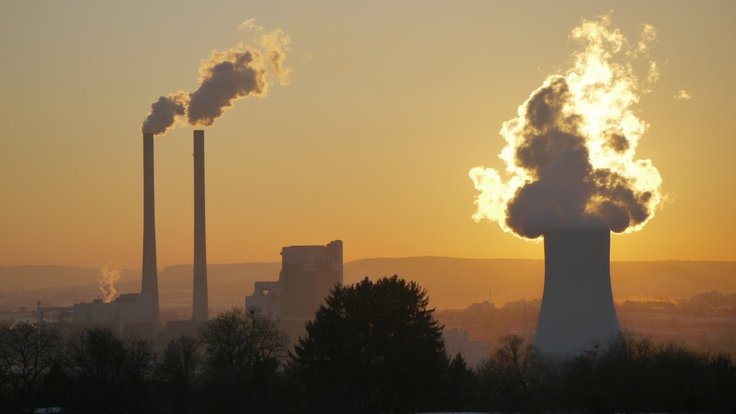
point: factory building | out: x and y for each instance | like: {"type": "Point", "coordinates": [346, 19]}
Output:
{"type": "Point", "coordinates": [142, 309]}
{"type": "Point", "coordinates": [129, 313]}
{"type": "Point", "coordinates": [308, 273]}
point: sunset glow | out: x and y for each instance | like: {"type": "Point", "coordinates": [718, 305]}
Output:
{"type": "Point", "coordinates": [594, 102]}
{"type": "Point", "coordinates": [388, 106]}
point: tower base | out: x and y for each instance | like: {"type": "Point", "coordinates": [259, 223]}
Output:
{"type": "Point", "coordinates": [577, 306]}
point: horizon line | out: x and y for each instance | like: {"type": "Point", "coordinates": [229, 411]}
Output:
{"type": "Point", "coordinates": [373, 258]}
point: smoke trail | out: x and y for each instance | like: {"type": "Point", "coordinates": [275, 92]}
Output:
{"type": "Point", "coordinates": [224, 78]}
{"type": "Point", "coordinates": [238, 73]}
{"type": "Point", "coordinates": [108, 277]}
{"type": "Point", "coordinates": [164, 113]}
{"type": "Point", "coordinates": [682, 95]}
{"type": "Point", "coordinates": [570, 152]}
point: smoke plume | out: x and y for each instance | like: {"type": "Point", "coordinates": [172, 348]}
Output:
{"type": "Point", "coordinates": [569, 154]}
{"type": "Point", "coordinates": [164, 113]}
{"type": "Point", "coordinates": [224, 78]}
{"type": "Point", "coordinates": [108, 277]}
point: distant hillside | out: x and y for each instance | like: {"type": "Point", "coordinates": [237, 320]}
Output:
{"type": "Point", "coordinates": [453, 282]}
{"type": "Point", "coordinates": [450, 282]}
{"type": "Point", "coordinates": [61, 285]}
{"type": "Point", "coordinates": [19, 278]}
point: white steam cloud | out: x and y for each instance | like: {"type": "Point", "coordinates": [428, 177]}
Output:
{"type": "Point", "coordinates": [108, 277]}
{"type": "Point", "coordinates": [164, 112]}
{"type": "Point", "coordinates": [682, 95]}
{"type": "Point", "coordinates": [569, 154]}
{"type": "Point", "coordinates": [224, 78]}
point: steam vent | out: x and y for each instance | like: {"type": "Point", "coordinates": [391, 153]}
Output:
{"type": "Point", "coordinates": [577, 307]}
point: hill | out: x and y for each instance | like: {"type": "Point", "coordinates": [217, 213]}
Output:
{"type": "Point", "coordinates": [450, 282]}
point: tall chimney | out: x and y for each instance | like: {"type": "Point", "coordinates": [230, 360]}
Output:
{"type": "Point", "coordinates": [199, 305]}
{"type": "Point", "coordinates": [577, 306]}
{"type": "Point", "coordinates": [149, 278]}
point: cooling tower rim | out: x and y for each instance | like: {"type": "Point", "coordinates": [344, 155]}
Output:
{"type": "Point", "coordinates": [575, 231]}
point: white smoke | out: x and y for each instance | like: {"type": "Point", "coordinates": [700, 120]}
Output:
{"type": "Point", "coordinates": [248, 69]}
{"type": "Point", "coordinates": [682, 95]}
{"type": "Point", "coordinates": [108, 277]}
{"type": "Point", "coordinates": [164, 113]}
{"type": "Point", "coordinates": [570, 152]}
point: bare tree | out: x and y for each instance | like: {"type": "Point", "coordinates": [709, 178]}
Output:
{"type": "Point", "coordinates": [507, 376]}
{"type": "Point", "coordinates": [27, 353]}
{"type": "Point", "coordinates": [237, 339]}
{"type": "Point", "coordinates": [179, 371]}
{"type": "Point", "coordinates": [106, 370]}
{"type": "Point", "coordinates": [242, 353]}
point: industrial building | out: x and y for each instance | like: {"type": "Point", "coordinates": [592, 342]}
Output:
{"type": "Point", "coordinates": [308, 273]}
{"type": "Point", "coordinates": [129, 313]}
{"type": "Point", "coordinates": [143, 308]}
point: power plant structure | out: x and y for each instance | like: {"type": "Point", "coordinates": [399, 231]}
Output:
{"type": "Point", "coordinates": [127, 313]}
{"type": "Point", "coordinates": [577, 305]}
{"type": "Point", "coordinates": [143, 308]}
{"type": "Point", "coordinates": [134, 312]}
{"type": "Point", "coordinates": [149, 273]}
{"type": "Point", "coordinates": [199, 300]}
{"type": "Point", "coordinates": [307, 275]}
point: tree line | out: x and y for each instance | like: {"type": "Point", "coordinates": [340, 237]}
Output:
{"type": "Point", "coordinates": [371, 347]}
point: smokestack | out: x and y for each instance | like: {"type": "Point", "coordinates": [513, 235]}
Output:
{"type": "Point", "coordinates": [149, 278]}
{"type": "Point", "coordinates": [577, 306]}
{"type": "Point", "coordinates": [199, 305]}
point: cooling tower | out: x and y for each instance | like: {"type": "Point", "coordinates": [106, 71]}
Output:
{"type": "Point", "coordinates": [149, 277]}
{"type": "Point", "coordinates": [577, 306]}
{"type": "Point", "coordinates": [199, 305]}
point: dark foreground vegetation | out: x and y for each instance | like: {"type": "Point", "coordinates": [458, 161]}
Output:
{"type": "Point", "coordinates": [372, 347]}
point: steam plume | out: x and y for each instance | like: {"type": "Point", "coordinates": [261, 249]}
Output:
{"type": "Point", "coordinates": [164, 112]}
{"type": "Point", "coordinates": [108, 277]}
{"type": "Point", "coordinates": [569, 154]}
{"type": "Point", "coordinates": [682, 95]}
{"type": "Point", "coordinates": [224, 78]}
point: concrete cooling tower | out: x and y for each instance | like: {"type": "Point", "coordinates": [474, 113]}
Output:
{"type": "Point", "coordinates": [577, 306]}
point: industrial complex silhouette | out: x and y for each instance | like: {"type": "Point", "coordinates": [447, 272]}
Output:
{"type": "Point", "coordinates": [307, 275]}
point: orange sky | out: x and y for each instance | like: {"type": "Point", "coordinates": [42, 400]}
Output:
{"type": "Point", "coordinates": [388, 108]}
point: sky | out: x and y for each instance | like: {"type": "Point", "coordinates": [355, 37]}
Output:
{"type": "Point", "coordinates": [389, 105]}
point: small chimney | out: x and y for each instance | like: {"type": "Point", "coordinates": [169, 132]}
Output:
{"type": "Point", "coordinates": [199, 305]}
{"type": "Point", "coordinates": [149, 277]}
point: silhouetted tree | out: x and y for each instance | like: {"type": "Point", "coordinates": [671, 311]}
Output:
{"type": "Point", "coordinates": [139, 375]}
{"type": "Point", "coordinates": [682, 380]}
{"type": "Point", "coordinates": [241, 339]}
{"type": "Point", "coordinates": [633, 375]}
{"type": "Point", "coordinates": [27, 353]}
{"type": "Point", "coordinates": [511, 379]}
{"type": "Point", "coordinates": [179, 370]}
{"type": "Point", "coordinates": [242, 354]}
{"type": "Point", "coordinates": [372, 347]}
{"type": "Point", "coordinates": [461, 387]}
{"type": "Point", "coordinates": [106, 372]}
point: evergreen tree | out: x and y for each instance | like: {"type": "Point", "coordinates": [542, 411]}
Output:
{"type": "Point", "coordinates": [372, 347]}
